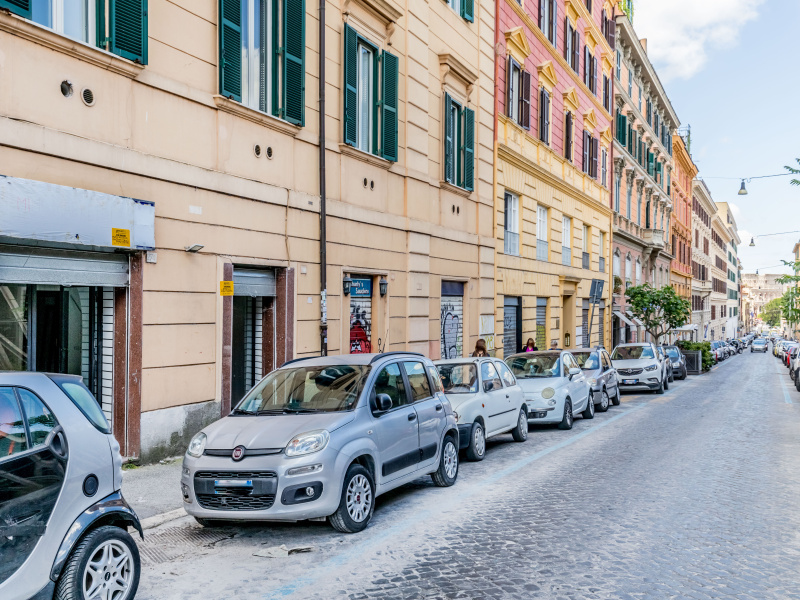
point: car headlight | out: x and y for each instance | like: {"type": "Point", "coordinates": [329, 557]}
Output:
{"type": "Point", "coordinates": [592, 381]}
{"type": "Point", "coordinates": [308, 443]}
{"type": "Point", "coordinates": [651, 368]}
{"type": "Point", "coordinates": [197, 445]}
{"type": "Point", "coordinates": [548, 393]}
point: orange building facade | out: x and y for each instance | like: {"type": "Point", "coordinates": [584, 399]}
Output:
{"type": "Point", "coordinates": [681, 235]}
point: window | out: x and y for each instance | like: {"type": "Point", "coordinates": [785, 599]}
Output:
{"type": "Point", "coordinates": [544, 116]}
{"type": "Point", "coordinates": [639, 87]}
{"type": "Point", "coordinates": [617, 191]}
{"type": "Point", "coordinates": [489, 375]}
{"type": "Point", "coordinates": [586, 259]}
{"type": "Point", "coordinates": [630, 83]}
{"type": "Point", "coordinates": [518, 94]}
{"type": "Point", "coordinates": [589, 69]}
{"type": "Point", "coordinates": [604, 167]}
{"type": "Point", "coordinates": [548, 19]}
{"type": "Point", "coordinates": [113, 25]}
{"type": "Point", "coordinates": [511, 225]}
{"type": "Point", "coordinates": [638, 271]}
{"type": "Point", "coordinates": [572, 45]}
{"type": "Point", "coordinates": [568, 137]}
{"type": "Point", "coordinates": [628, 199]}
{"type": "Point", "coordinates": [606, 93]}
{"type": "Point", "coordinates": [86, 403]}
{"type": "Point", "coordinates": [616, 266]}
{"type": "Point", "coordinates": [628, 264]}
{"type": "Point", "coordinates": [541, 234]}
{"type": "Point", "coordinates": [417, 380]}
{"type": "Point", "coordinates": [566, 242]}
{"type": "Point", "coordinates": [13, 439]}
{"type": "Point", "coordinates": [602, 257]}
{"type": "Point", "coordinates": [459, 144]}
{"type": "Point", "coordinates": [505, 373]}
{"type": "Point", "coordinates": [370, 96]}
{"type": "Point", "coordinates": [40, 420]}
{"type": "Point", "coordinates": [619, 65]}
{"type": "Point", "coordinates": [590, 151]}
{"type": "Point", "coordinates": [390, 382]}
{"type": "Point", "coordinates": [465, 8]}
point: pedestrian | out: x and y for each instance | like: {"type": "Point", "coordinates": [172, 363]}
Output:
{"type": "Point", "coordinates": [554, 345]}
{"type": "Point", "coordinates": [480, 348]}
{"type": "Point", "coordinates": [530, 346]}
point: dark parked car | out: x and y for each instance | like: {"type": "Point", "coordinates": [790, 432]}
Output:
{"type": "Point", "coordinates": [63, 520]}
{"type": "Point", "coordinates": [678, 361]}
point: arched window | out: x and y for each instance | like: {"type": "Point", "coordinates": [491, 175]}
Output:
{"type": "Point", "coordinates": [628, 263]}
{"type": "Point", "coordinates": [638, 271]}
{"type": "Point", "coordinates": [616, 265]}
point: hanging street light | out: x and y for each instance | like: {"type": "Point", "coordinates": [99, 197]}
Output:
{"type": "Point", "coordinates": [743, 192]}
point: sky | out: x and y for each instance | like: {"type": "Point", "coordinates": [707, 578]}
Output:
{"type": "Point", "coordinates": [728, 69]}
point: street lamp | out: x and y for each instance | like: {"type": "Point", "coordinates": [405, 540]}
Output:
{"type": "Point", "coordinates": [743, 190]}
{"type": "Point", "coordinates": [753, 239]}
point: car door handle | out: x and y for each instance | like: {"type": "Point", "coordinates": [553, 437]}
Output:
{"type": "Point", "coordinates": [412, 416]}
{"type": "Point", "coordinates": [507, 396]}
{"type": "Point", "coordinates": [438, 407]}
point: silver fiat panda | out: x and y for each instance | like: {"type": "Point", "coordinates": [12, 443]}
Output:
{"type": "Point", "coordinates": [323, 437]}
{"type": "Point", "coordinates": [63, 520]}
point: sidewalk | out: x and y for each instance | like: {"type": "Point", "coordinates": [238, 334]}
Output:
{"type": "Point", "coordinates": [153, 489]}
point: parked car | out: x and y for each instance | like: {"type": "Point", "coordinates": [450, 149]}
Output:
{"type": "Point", "coordinates": [601, 374]}
{"type": "Point", "coordinates": [678, 361]}
{"type": "Point", "coordinates": [323, 437]}
{"type": "Point", "coordinates": [486, 401]}
{"type": "Point", "coordinates": [787, 353]}
{"type": "Point", "coordinates": [718, 350]}
{"type": "Point", "coordinates": [793, 353]}
{"type": "Point", "coordinates": [555, 387]}
{"type": "Point", "coordinates": [63, 520]}
{"type": "Point", "coordinates": [639, 367]}
{"type": "Point", "coordinates": [759, 345]}
{"type": "Point", "coordinates": [666, 364]}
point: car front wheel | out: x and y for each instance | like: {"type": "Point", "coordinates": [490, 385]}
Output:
{"type": "Point", "coordinates": [604, 401]}
{"type": "Point", "coordinates": [477, 442]}
{"type": "Point", "coordinates": [567, 419]}
{"type": "Point", "coordinates": [357, 502]}
{"type": "Point", "coordinates": [588, 412]}
{"type": "Point", "coordinates": [105, 564]}
{"type": "Point", "coordinates": [446, 474]}
{"type": "Point", "coordinates": [520, 432]}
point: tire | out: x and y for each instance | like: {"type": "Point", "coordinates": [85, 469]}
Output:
{"type": "Point", "coordinates": [617, 398]}
{"type": "Point", "coordinates": [666, 383]}
{"type": "Point", "coordinates": [520, 432]}
{"type": "Point", "coordinates": [211, 522]}
{"type": "Point", "coordinates": [568, 418]}
{"type": "Point", "coordinates": [661, 387]}
{"type": "Point", "coordinates": [447, 473]}
{"type": "Point", "coordinates": [477, 442]}
{"type": "Point", "coordinates": [76, 578]}
{"type": "Point", "coordinates": [588, 412]}
{"type": "Point", "coordinates": [357, 502]}
{"type": "Point", "coordinates": [791, 374]}
{"type": "Point", "coordinates": [797, 383]}
{"type": "Point", "coordinates": [604, 401]}
{"type": "Point", "coordinates": [671, 376]}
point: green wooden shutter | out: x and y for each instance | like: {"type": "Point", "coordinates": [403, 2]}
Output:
{"type": "Point", "coordinates": [18, 7]}
{"type": "Point", "coordinates": [293, 58]}
{"type": "Point", "coordinates": [128, 30]}
{"type": "Point", "coordinates": [350, 85]}
{"type": "Point", "coordinates": [468, 10]}
{"type": "Point", "coordinates": [469, 149]}
{"type": "Point", "coordinates": [230, 49]}
{"type": "Point", "coordinates": [389, 101]}
{"type": "Point", "coordinates": [449, 141]}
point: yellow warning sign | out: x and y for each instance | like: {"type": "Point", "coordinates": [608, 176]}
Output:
{"type": "Point", "coordinates": [226, 288]}
{"type": "Point", "coordinates": [121, 237]}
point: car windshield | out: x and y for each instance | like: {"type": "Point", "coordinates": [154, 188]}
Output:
{"type": "Point", "coordinates": [537, 365]}
{"type": "Point", "coordinates": [673, 353]}
{"type": "Point", "coordinates": [588, 361]}
{"type": "Point", "coordinates": [329, 388]}
{"type": "Point", "coordinates": [632, 353]}
{"type": "Point", "coordinates": [459, 379]}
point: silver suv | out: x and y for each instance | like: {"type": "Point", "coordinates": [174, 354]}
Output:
{"type": "Point", "coordinates": [323, 437]}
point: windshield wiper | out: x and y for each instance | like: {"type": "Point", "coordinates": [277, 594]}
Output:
{"type": "Point", "coordinates": [301, 410]}
{"type": "Point", "coordinates": [270, 411]}
{"type": "Point", "coordinates": [239, 411]}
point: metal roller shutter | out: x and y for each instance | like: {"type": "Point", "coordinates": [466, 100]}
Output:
{"type": "Point", "coordinates": [541, 323]}
{"type": "Point", "coordinates": [48, 266]}
{"type": "Point", "coordinates": [253, 282]}
{"type": "Point", "coordinates": [511, 326]}
{"type": "Point", "coordinates": [452, 319]}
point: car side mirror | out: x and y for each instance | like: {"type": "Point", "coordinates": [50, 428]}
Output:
{"type": "Point", "coordinates": [488, 386]}
{"type": "Point", "coordinates": [574, 371]}
{"type": "Point", "coordinates": [383, 402]}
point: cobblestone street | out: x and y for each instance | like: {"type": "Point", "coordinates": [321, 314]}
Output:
{"type": "Point", "coordinates": [686, 495]}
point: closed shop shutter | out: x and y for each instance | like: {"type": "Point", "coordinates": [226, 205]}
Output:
{"type": "Point", "coordinates": [512, 326]}
{"type": "Point", "coordinates": [452, 318]}
{"type": "Point", "coordinates": [253, 339]}
{"type": "Point", "coordinates": [585, 325]}
{"type": "Point", "coordinates": [20, 264]}
{"type": "Point", "coordinates": [253, 282]}
{"type": "Point", "coordinates": [541, 323]}
{"type": "Point", "coordinates": [601, 328]}
{"type": "Point", "coordinates": [361, 316]}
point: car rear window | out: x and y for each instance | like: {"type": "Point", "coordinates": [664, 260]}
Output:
{"type": "Point", "coordinates": [84, 400]}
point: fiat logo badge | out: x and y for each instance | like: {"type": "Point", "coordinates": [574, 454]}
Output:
{"type": "Point", "coordinates": [238, 453]}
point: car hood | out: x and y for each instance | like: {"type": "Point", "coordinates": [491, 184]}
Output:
{"type": "Point", "coordinates": [639, 363]}
{"type": "Point", "coordinates": [537, 384]}
{"type": "Point", "coordinates": [457, 400]}
{"type": "Point", "coordinates": [269, 431]}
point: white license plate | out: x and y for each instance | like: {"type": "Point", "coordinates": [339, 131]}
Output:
{"type": "Point", "coordinates": [233, 483]}
{"type": "Point", "coordinates": [630, 381]}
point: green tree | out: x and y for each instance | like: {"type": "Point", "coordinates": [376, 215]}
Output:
{"type": "Point", "coordinates": [794, 171]}
{"type": "Point", "coordinates": [790, 301]}
{"type": "Point", "coordinates": [660, 310]}
{"type": "Point", "coordinates": [771, 313]}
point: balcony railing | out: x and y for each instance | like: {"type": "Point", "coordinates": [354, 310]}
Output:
{"type": "Point", "coordinates": [586, 260]}
{"type": "Point", "coordinates": [566, 256]}
{"type": "Point", "coordinates": [541, 250]}
{"type": "Point", "coordinates": [653, 237]}
{"type": "Point", "coordinates": [511, 243]}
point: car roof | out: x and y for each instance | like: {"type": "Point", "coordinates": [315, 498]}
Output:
{"type": "Point", "coordinates": [586, 349]}
{"type": "Point", "coordinates": [631, 344]}
{"type": "Point", "coordinates": [538, 353]}
{"type": "Point", "coordinates": [348, 359]}
{"type": "Point", "coordinates": [464, 360]}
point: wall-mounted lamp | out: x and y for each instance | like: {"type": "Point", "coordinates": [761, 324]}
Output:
{"type": "Point", "coordinates": [347, 283]}
{"type": "Point", "coordinates": [194, 248]}
{"type": "Point", "coordinates": [383, 286]}
{"type": "Point", "coordinates": [567, 340]}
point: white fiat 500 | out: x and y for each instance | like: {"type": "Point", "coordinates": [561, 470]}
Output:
{"type": "Point", "coordinates": [486, 399]}
{"type": "Point", "coordinates": [555, 387]}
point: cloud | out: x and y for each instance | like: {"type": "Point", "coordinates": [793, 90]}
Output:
{"type": "Point", "coordinates": [680, 33]}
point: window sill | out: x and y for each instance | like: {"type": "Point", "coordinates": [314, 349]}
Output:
{"type": "Point", "coordinates": [366, 157]}
{"type": "Point", "coordinates": [48, 38]}
{"type": "Point", "coordinates": [446, 185]}
{"type": "Point", "coordinates": [256, 116]}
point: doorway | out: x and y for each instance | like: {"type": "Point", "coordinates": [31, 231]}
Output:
{"type": "Point", "coordinates": [512, 325]}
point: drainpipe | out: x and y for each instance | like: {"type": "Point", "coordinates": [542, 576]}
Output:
{"type": "Point", "coordinates": [323, 233]}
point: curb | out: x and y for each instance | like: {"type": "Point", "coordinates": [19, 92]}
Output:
{"type": "Point", "coordinates": [156, 520]}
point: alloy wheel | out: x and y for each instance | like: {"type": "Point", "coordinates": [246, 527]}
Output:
{"type": "Point", "coordinates": [568, 410]}
{"type": "Point", "coordinates": [480, 441]}
{"type": "Point", "coordinates": [604, 401]}
{"type": "Point", "coordinates": [450, 459]}
{"type": "Point", "coordinates": [522, 424]}
{"type": "Point", "coordinates": [359, 498]}
{"type": "Point", "coordinates": [109, 573]}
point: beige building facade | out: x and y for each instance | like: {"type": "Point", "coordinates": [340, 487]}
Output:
{"type": "Point", "coordinates": [186, 113]}
{"type": "Point", "coordinates": [703, 211]}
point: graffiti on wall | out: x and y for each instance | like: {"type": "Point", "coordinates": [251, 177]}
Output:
{"type": "Point", "coordinates": [451, 331]}
{"type": "Point", "coordinates": [360, 328]}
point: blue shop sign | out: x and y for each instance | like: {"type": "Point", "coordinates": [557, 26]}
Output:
{"type": "Point", "coordinates": [361, 288]}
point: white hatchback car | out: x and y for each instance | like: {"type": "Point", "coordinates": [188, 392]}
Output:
{"type": "Point", "coordinates": [555, 387]}
{"type": "Point", "coordinates": [486, 399]}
